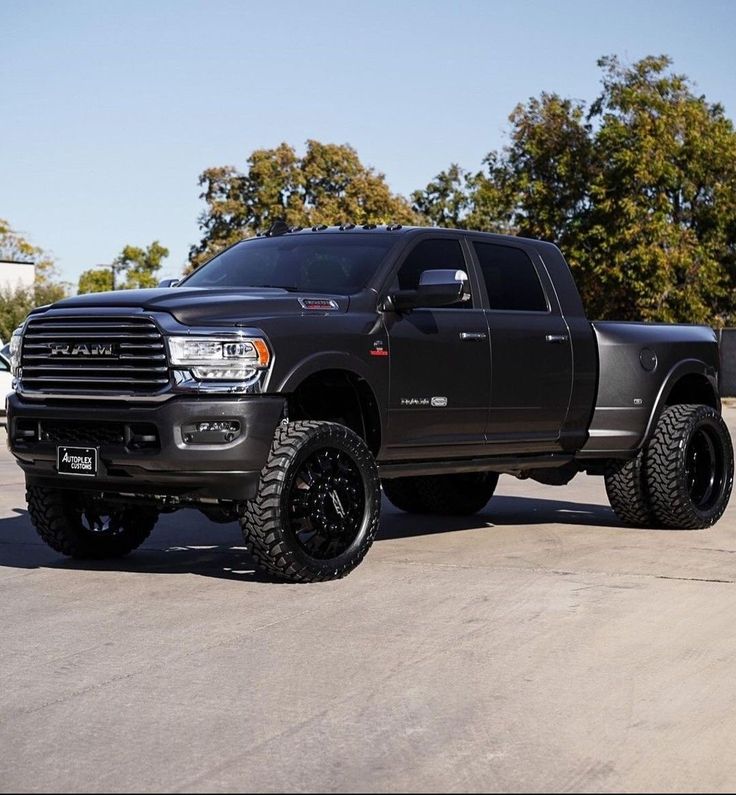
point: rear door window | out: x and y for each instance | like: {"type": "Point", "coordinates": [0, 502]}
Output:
{"type": "Point", "coordinates": [511, 280]}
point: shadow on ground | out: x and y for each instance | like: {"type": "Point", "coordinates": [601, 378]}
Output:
{"type": "Point", "coordinates": [188, 543]}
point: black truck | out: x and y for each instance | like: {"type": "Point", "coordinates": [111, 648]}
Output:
{"type": "Point", "coordinates": [295, 376]}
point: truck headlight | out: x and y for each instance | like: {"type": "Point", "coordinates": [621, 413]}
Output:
{"type": "Point", "coordinates": [16, 340]}
{"type": "Point", "coordinates": [220, 358]}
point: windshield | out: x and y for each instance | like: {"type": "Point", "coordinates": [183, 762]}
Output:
{"type": "Point", "coordinates": [315, 263]}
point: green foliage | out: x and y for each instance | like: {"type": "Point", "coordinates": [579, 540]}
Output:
{"type": "Point", "coordinates": [446, 200]}
{"type": "Point", "coordinates": [663, 198]}
{"type": "Point", "coordinates": [639, 191]}
{"type": "Point", "coordinates": [140, 266]}
{"type": "Point", "coordinates": [328, 185]}
{"type": "Point", "coordinates": [95, 280]}
{"type": "Point", "coordinates": [16, 303]}
{"type": "Point", "coordinates": [14, 246]}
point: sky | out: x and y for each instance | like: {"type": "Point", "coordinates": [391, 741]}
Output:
{"type": "Point", "coordinates": [109, 111]}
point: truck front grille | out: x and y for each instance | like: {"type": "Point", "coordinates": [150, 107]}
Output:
{"type": "Point", "coordinates": [93, 355]}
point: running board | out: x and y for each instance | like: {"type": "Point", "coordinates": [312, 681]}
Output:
{"type": "Point", "coordinates": [510, 465]}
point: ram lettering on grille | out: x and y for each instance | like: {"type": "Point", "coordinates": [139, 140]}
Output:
{"type": "Point", "coordinates": [81, 349]}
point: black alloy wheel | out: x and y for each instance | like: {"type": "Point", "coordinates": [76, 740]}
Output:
{"type": "Point", "coordinates": [705, 468]}
{"type": "Point", "coordinates": [326, 503]}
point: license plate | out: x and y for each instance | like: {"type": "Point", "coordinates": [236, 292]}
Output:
{"type": "Point", "coordinates": [76, 461]}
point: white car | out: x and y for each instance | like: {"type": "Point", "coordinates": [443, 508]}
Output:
{"type": "Point", "coordinates": [6, 385]}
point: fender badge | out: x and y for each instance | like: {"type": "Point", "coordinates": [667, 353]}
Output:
{"type": "Point", "coordinates": [319, 304]}
{"type": "Point", "coordinates": [378, 349]}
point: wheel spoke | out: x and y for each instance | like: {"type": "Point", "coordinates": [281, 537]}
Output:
{"type": "Point", "coordinates": [326, 503]}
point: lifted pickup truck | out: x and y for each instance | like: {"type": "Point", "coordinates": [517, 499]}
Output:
{"type": "Point", "coordinates": [288, 379]}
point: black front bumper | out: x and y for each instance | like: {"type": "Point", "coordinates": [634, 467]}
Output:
{"type": "Point", "coordinates": [170, 466]}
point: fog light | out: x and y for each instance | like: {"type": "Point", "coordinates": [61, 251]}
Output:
{"type": "Point", "coordinates": [211, 432]}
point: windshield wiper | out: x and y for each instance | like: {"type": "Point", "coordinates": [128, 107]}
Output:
{"type": "Point", "coordinates": [276, 287]}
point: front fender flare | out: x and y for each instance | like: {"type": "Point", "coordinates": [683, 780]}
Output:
{"type": "Point", "coordinates": [346, 362]}
{"type": "Point", "coordinates": [324, 360]}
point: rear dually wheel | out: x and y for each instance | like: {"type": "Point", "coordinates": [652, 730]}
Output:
{"type": "Point", "coordinates": [690, 467]}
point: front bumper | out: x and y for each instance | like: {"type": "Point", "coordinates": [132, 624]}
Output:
{"type": "Point", "coordinates": [169, 467]}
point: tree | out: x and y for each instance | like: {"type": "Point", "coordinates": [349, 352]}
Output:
{"type": "Point", "coordinates": [14, 247]}
{"type": "Point", "coordinates": [639, 190]}
{"type": "Point", "coordinates": [95, 280]}
{"type": "Point", "coordinates": [446, 199]}
{"type": "Point", "coordinates": [139, 265]}
{"type": "Point", "coordinates": [328, 185]}
{"type": "Point", "coordinates": [662, 221]}
{"type": "Point", "coordinates": [16, 303]}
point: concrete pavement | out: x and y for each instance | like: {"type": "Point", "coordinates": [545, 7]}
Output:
{"type": "Point", "coordinates": [540, 645]}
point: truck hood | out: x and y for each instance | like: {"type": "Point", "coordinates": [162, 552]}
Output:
{"type": "Point", "coordinates": [201, 306]}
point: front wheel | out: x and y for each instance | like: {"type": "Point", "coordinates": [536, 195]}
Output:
{"type": "Point", "coordinates": [317, 508]}
{"type": "Point", "coordinates": [74, 524]}
{"type": "Point", "coordinates": [689, 467]}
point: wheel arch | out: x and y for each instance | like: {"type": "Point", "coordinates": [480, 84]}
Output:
{"type": "Point", "coordinates": [333, 388]}
{"type": "Point", "coordinates": [689, 381]}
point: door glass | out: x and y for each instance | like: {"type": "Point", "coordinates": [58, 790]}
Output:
{"type": "Point", "coordinates": [433, 254]}
{"type": "Point", "coordinates": [511, 279]}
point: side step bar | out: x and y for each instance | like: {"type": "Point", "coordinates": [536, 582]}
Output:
{"type": "Point", "coordinates": [510, 465]}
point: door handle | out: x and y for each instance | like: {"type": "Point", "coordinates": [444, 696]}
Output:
{"type": "Point", "coordinates": [473, 335]}
{"type": "Point", "coordinates": [556, 338]}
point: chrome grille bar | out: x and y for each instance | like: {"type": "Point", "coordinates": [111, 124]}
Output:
{"type": "Point", "coordinates": [63, 356]}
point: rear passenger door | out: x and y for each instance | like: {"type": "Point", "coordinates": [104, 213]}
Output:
{"type": "Point", "coordinates": [531, 353]}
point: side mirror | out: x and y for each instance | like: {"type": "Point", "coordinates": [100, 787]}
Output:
{"type": "Point", "coordinates": [168, 282]}
{"type": "Point", "coordinates": [436, 288]}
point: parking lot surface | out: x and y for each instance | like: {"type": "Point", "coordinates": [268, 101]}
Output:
{"type": "Point", "coordinates": [539, 645]}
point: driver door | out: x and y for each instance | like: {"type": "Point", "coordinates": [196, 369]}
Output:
{"type": "Point", "coordinates": [439, 363]}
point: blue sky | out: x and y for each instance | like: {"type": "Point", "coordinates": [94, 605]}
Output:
{"type": "Point", "coordinates": [110, 110]}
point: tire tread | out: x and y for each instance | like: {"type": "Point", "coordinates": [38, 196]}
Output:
{"type": "Point", "coordinates": [628, 494]}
